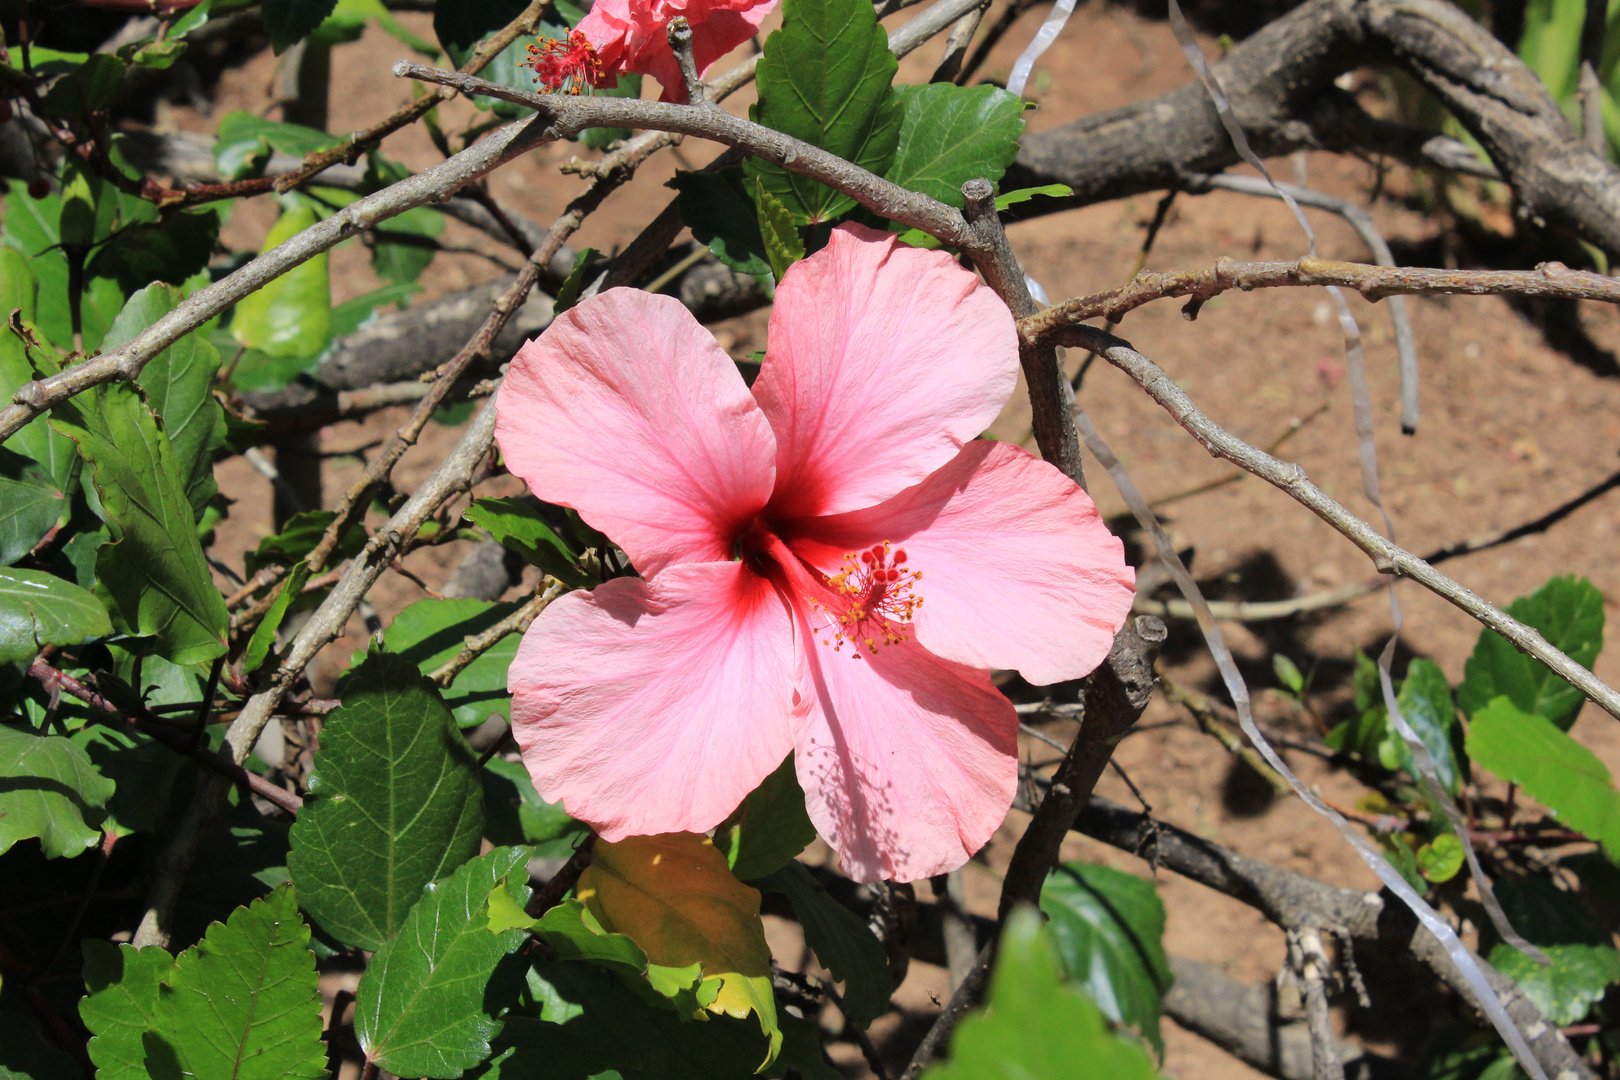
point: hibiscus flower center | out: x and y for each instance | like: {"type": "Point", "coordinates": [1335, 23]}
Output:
{"type": "Point", "coordinates": [867, 604]}
{"type": "Point", "coordinates": [568, 65]}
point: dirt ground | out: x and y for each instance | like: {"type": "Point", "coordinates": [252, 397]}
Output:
{"type": "Point", "coordinates": [1511, 427]}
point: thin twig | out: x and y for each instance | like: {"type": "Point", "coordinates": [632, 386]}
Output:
{"type": "Point", "coordinates": [352, 149]}
{"type": "Point", "coordinates": [1372, 282]}
{"type": "Point", "coordinates": [1264, 610]}
{"type": "Point", "coordinates": [127, 361]}
{"type": "Point", "coordinates": [476, 645]}
{"type": "Point", "coordinates": [563, 880]}
{"type": "Point", "coordinates": [969, 994]}
{"type": "Point", "coordinates": [568, 116]}
{"type": "Point", "coordinates": [1387, 556]}
{"type": "Point", "coordinates": [153, 726]}
{"type": "Point", "coordinates": [1361, 221]}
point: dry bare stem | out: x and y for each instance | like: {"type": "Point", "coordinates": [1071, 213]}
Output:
{"type": "Point", "coordinates": [1372, 282]}
{"type": "Point", "coordinates": [126, 361]}
{"type": "Point", "coordinates": [1387, 556]}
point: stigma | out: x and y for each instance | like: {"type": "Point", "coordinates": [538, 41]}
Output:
{"type": "Point", "coordinates": [569, 66]}
{"type": "Point", "coordinates": [876, 600]}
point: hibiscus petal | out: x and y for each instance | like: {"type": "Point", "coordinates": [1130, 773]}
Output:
{"type": "Point", "coordinates": [1018, 570]}
{"type": "Point", "coordinates": [629, 411]}
{"type": "Point", "coordinates": [908, 761]}
{"type": "Point", "coordinates": [883, 360]}
{"type": "Point", "coordinates": [656, 706]}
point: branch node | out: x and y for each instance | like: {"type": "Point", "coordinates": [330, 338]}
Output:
{"type": "Point", "coordinates": [981, 197]}
{"type": "Point", "coordinates": [680, 42]}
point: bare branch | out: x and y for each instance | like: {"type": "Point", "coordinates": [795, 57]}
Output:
{"type": "Point", "coordinates": [1388, 557]}
{"type": "Point", "coordinates": [1116, 694]}
{"type": "Point", "coordinates": [477, 645]}
{"type": "Point", "coordinates": [126, 361]}
{"type": "Point", "coordinates": [153, 726]}
{"type": "Point", "coordinates": [1372, 282]}
{"type": "Point", "coordinates": [568, 115]}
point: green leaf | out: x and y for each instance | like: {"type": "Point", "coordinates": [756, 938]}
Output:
{"type": "Point", "coordinates": [801, 1050]}
{"type": "Point", "coordinates": [243, 1002]}
{"type": "Point", "coordinates": [179, 387]}
{"type": "Point", "coordinates": [32, 228]}
{"type": "Point", "coordinates": [52, 453]}
{"type": "Point", "coordinates": [393, 804]}
{"type": "Point", "coordinates": [570, 932]}
{"type": "Point", "coordinates": [1441, 859]}
{"type": "Point", "coordinates": [235, 866]}
{"type": "Point", "coordinates": [169, 251]}
{"type": "Point", "coordinates": [514, 813]}
{"type": "Point", "coordinates": [191, 20]}
{"type": "Point", "coordinates": [432, 997]}
{"type": "Point", "coordinates": [517, 525]}
{"type": "Point", "coordinates": [1568, 987]}
{"type": "Point", "coordinates": [142, 769]}
{"type": "Point", "coordinates": [30, 505]}
{"type": "Point", "coordinates": [952, 134]}
{"type": "Point", "coordinates": [39, 609]}
{"type": "Point", "coordinates": [121, 1005]}
{"type": "Point", "coordinates": [351, 315]}
{"type": "Point", "coordinates": [783, 244]}
{"type": "Point", "coordinates": [49, 789]}
{"type": "Point", "coordinates": [154, 569]}
{"type": "Point", "coordinates": [395, 257]}
{"type": "Point", "coordinates": [1569, 613]}
{"type": "Point", "coordinates": [462, 24]}
{"type": "Point", "coordinates": [264, 635]}
{"type": "Point", "coordinates": [574, 284]}
{"type": "Point", "coordinates": [291, 21]}
{"type": "Point", "coordinates": [94, 86]}
{"type": "Point", "coordinates": [157, 55]}
{"type": "Point", "coordinates": [1288, 674]}
{"type": "Point", "coordinates": [1584, 960]}
{"type": "Point", "coordinates": [1108, 927]}
{"type": "Point", "coordinates": [716, 207]}
{"type": "Point", "coordinates": [1426, 706]}
{"type": "Point", "coordinates": [349, 19]}
{"type": "Point", "coordinates": [1550, 766]}
{"type": "Point", "coordinates": [298, 538]}
{"type": "Point", "coordinates": [430, 633]}
{"type": "Point", "coordinates": [588, 1023]}
{"type": "Point", "coordinates": [769, 829]}
{"type": "Point", "coordinates": [825, 78]}
{"type": "Point", "coordinates": [842, 941]}
{"type": "Point", "coordinates": [1034, 1025]}
{"type": "Point", "coordinates": [290, 316]}
{"type": "Point", "coordinates": [244, 141]}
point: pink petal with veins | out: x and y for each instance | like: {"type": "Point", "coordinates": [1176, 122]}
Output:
{"type": "Point", "coordinates": [908, 762]}
{"type": "Point", "coordinates": [650, 707]}
{"type": "Point", "coordinates": [883, 361]}
{"type": "Point", "coordinates": [628, 410]}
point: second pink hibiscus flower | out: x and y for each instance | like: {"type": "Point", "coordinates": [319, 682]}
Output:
{"type": "Point", "coordinates": [830, 566]}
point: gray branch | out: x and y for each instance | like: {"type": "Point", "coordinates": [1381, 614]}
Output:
{"type": "Point", "coordinates": [1280, 84]}
{"type": "Point", "coordinates": [1387, 556]}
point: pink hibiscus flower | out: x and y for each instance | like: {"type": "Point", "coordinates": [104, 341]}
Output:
{"type": "Point", "coordinates": [629, 37]}
{"type": "Point", "coordinates": [830, 566]}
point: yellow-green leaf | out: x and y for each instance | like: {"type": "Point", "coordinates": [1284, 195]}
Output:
{"type": "Point", "coordinates": [292, 315]}
{"type": "Point", "coordinates": [674, 896]}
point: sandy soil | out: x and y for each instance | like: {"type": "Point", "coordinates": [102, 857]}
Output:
{"type": "Point", "coordinates": [1511, 427]}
